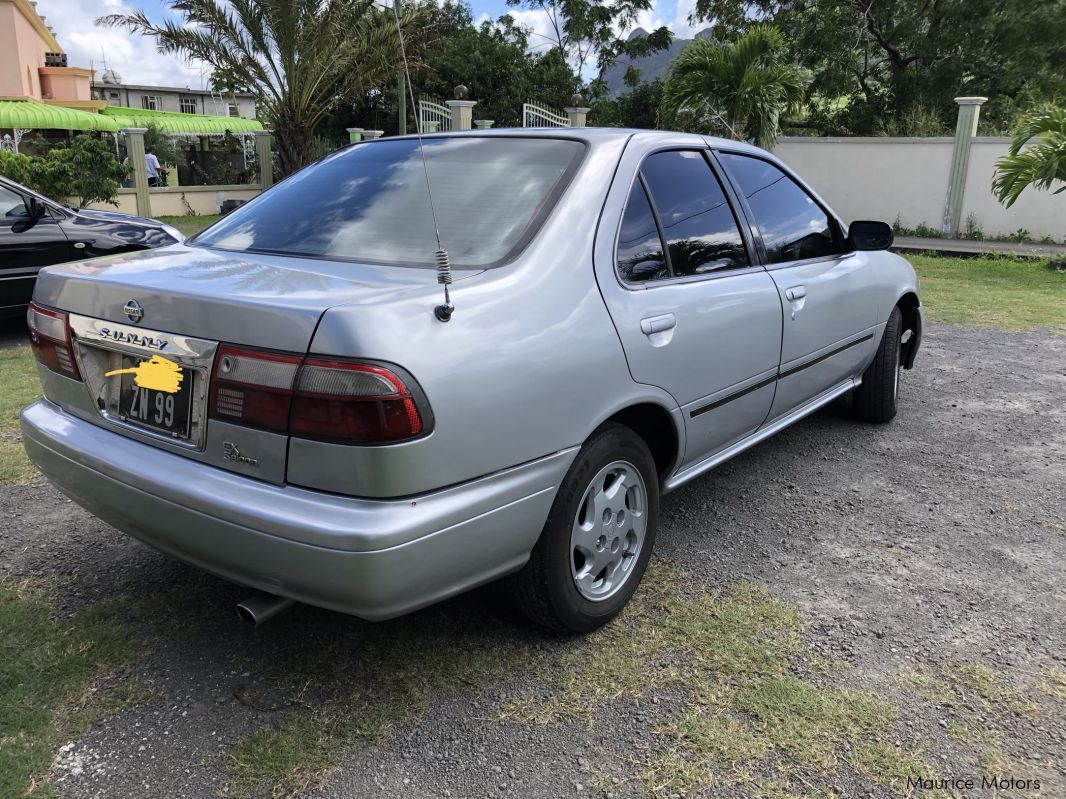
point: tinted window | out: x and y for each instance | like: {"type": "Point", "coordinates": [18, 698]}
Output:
{"type": "Point", "coordinates": [640, 250]}
{"type": "Point", "coordinates": [370, 203]}
{"type": "Point", "coordinates": [793, 226]}
{"type": "Point", "coordinates": [11, 205]}
{"type": "Point", "coordinates": [700, 229]}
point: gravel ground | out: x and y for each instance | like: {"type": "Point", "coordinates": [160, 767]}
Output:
{"type": "Point", "coordinates": [938, 538]}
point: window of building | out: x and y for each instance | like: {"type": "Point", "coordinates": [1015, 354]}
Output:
{"type": "Point", "coordinates": [187, 105]}
{"type": "Point", "coordinates": [151, 103]}
{"type": "Point", "coordinates": [233, 110]}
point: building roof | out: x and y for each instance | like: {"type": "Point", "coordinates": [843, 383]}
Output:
{"type": "Point", "coordinates": [101, 84]}
{"type": "Point", "coordinates": [174, 123]}
{"type": "Point", "coordinates": [33, 115]}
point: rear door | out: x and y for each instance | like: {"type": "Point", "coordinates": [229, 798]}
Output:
{"type": "Point", "coordinates": [825, 299]}
{"type": "Point", "coordinates": [26, 244]}
{"type": "Point", "coordinates": [695, 314]}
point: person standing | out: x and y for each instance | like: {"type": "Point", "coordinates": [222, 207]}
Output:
{"type": "Point", "coordinates": [151, 166]}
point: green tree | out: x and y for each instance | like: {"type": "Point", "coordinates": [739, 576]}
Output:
{"type": "Point", "coordinates": [875, 61]}
{"type": "Point", "coordinates": [737, 89]}
{"type": "Point", "coordinates": [301, 58]}
{"type": "Point", "coordinates": [1040, 164]}
{"type": "Point", "coordinates": [494, 61]}
{"type": "Point", "coordinates": [85, 171]}
{"type": "Point", "coordinates": [636, 108]}
{"type": "Point", "coordinates": [588, 32]}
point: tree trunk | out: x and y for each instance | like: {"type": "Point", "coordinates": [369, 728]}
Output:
{"type": "Point", "coordinates": [295, 144]}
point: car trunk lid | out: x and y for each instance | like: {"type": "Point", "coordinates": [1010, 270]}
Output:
{"type": "Point", "coordinates": [260, 300]}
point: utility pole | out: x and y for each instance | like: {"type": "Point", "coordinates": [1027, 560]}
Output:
{"type": "Point", "coordinates": [401, 87]}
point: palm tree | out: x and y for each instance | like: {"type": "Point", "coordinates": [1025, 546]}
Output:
{"type": "Point", "coordinates": [1042, 164]}
{"type": "Point", "coordinates": [740, 88]}
{"type": "Point", "coordinates": [301, 58]}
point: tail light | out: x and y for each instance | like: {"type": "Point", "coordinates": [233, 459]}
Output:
{"type": "Point", "coordinates": [253, 387]}
{"type": "Point", "coordinates": [326, 399]}
{"type": "Point", "coordinates": [51, 341]}
{"type": "Point", "coordinates": [352, 403]}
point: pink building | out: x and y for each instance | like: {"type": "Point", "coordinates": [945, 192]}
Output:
{"type": "Point", "coordinates": [32, 64]}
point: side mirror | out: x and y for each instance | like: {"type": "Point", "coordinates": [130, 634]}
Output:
{"type": "Point", "coordinates": [35, 209]}
{"type": "Point", "coordinates": [870, 236]}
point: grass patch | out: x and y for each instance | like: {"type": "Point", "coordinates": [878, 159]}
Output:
{"type": "Point", "coordinates": [1053, 683]}
{"type": "Point", "coordinates": [994, 292]}
{"type": "Point", "coordinates": [18, 376]}
{"type": "Point", "coordinates": [189, 225]}
{"type": "Point", "coordinates": [54, 679]}
{"type": "Point", "coordinates": [353, 689]}
{"type": "Point", "coordinates": [811, 723]}
{"type": "Point", "coordinates": [745, 719]}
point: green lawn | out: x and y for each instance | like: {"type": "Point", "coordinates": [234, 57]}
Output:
{"type": "Point", "coordinates": [18, 376]}
{"type": "Point", "coordinates": [992, 292]}
{"type": "Point", "coordinates": [190, 224]}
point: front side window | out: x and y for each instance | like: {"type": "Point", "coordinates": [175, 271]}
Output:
{"type": "Point", "coordinates": [187, 105]}
{"type": "Point", "coordinates": [699, 227]}
{"type": "Point", "coordinates": [370, 202]}
{"type": "Point", "coordinates": [793, 226]}
{"type": "Point", "coordinates": [150, 102]}
{"type": "Point", "coordinates": [12, 206]}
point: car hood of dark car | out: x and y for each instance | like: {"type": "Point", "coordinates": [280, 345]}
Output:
{"type": "Point", "coordinates": [115, 216]}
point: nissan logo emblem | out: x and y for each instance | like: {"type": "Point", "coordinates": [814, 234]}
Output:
{"type": "Point", "coordinates": [133, 310]}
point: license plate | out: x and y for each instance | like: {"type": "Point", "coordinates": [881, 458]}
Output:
{"type": "Point", "coordinates": [162, 411]}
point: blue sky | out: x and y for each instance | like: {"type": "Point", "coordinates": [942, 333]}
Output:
{"type": "Point", "coordinates": [137, 61]}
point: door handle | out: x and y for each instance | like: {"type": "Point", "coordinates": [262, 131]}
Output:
{"type": "Point", "coordinates": [796, 293]}
{"type": "Point", "coordinates": [657, 324]}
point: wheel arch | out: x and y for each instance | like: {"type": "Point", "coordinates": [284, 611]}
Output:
{"type": "Point", "coordinates": [656, 426]}
{"type": "Point", "coordinates": [909, 305]}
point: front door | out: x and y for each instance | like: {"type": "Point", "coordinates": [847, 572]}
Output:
{"type": "Point", "coordinates": [695, 314]}
{"type": "Point", "coordinates": [26, 244]}
{"type": "Point", "coordinates": [825, 299]}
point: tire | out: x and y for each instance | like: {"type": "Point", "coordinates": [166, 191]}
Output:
{"type": "Point", "coordinates": [875, 400]}
{"type": "Point", "coordinates": [561, 587]}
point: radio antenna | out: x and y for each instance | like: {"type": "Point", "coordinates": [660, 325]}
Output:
{"type": "Point", "coordinates": [444, 311]}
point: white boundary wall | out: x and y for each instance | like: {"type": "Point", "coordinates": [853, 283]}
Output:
{"type": "Point", "coordinates": [884, 177]}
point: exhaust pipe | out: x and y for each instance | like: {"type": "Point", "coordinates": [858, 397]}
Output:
{"type": "Point", "coordinates": [262, 608]}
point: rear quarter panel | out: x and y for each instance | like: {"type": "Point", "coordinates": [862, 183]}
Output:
{"type": "Point", "coordinates": [529, 364]}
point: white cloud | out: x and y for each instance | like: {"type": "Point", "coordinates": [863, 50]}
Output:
{"type": "Point", "coordinates": [681, 27]}
{"type": "Point", "coordinates": [134, 57]}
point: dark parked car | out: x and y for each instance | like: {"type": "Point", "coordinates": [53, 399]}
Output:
{"type": "Point", "coordinates": [36, 232]}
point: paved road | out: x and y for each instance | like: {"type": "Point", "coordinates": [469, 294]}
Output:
{"type": "Point", "coordinates": [937, 539]}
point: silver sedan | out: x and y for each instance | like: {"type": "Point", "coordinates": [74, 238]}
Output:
{"type": "Point", "coordinates": [289, 400]}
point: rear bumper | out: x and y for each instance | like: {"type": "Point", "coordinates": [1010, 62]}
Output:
{"type": "Point", "coordinates": [371, 558]}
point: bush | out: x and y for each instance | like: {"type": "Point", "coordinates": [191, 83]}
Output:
{"type": "Point", "coordinates": [86, 170]}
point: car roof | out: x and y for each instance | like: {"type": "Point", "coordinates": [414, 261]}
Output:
{"type": "Point", "coordinates": [590, 135]}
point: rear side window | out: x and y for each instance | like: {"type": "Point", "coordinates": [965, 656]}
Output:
{"type": "Point", "coordinates": [697, 224]}
{"type": "Point", "coordinates": [792, 224]}
{"type": "Point", "coordinates": [640, 249]}
{"type": "Point", "coordinates": [370, 202]}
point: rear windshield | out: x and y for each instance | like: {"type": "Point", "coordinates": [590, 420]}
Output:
{"type": "Point", "coordinates": [370, 203]}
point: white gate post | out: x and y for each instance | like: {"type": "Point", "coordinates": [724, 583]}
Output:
{"type": "Point", "coordinates": [370, 135]}
{"type": "Point", "coordinates": [483, 124]}
{"type": "Point", "coordinates": [355, 135]}
{"type": "Point", "coordinates": [577, 112]}
{"type": "Point", "coordinates": [462, 108]}
{"type": "Point", "coordinates": [965, 130]}
{"type": "Point", "coordinates": [264, 158]}
{"type": "Point", "coordinates": [135, 154]}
